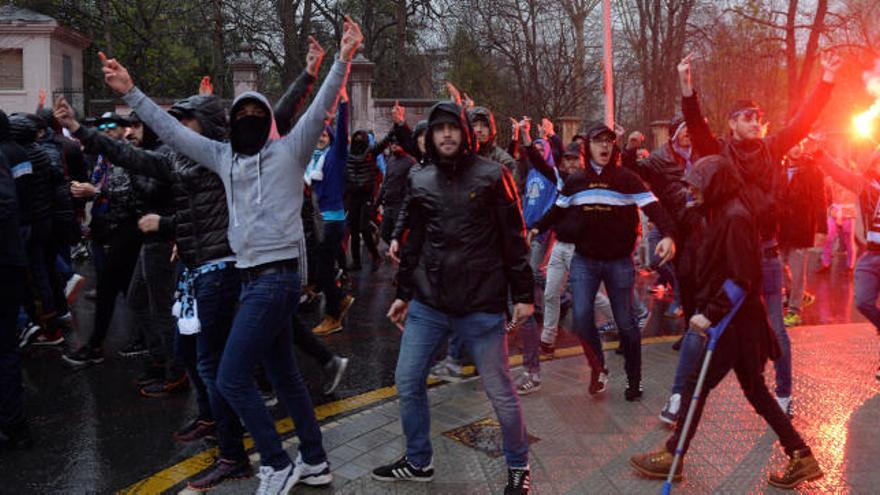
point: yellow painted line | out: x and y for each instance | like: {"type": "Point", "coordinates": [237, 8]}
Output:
{"type": "Point", "coordinates": [190, 467]}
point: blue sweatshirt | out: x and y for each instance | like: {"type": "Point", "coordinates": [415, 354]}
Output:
{"type": "Point", "coordinates": [539, 192]}
{"type": "Point", "coordinates": [331, 188]}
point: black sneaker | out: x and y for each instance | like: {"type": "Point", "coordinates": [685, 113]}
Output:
{"type": "Point", "coordinates": [334, 370]}
{"type": "Point", "coordinates": [221, 471]}
{"type": "Point", "coordinates": [518, 482]}
{"type": "Point", "coordinates": [83, 357]}
{"type": "Point", "coordinates": [633, 390]}
{"type": "Point", "coordinates": [198, 429]}
{"type": "Point", "coordinates": [151, 373]}
{"type": "Point", "coordinates": [402, 470]}
{"type": "Point", "coordinates": [134, 349]}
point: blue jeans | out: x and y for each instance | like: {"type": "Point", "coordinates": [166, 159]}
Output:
{"type": "Point", "coordinates": [688, 360]}
{"type": "Point", "coordinates": [216, 295]}
{"type": "Point", "coordinates": [261, 333]}
{"type": "Point", "coordinates": [867, 286]}
{"type": "Point", "coordinates": [772, 274]}
{"type": "Point", "coordinates": [619, 278]}
{"type": "Point", "coordinates": [486, 339]}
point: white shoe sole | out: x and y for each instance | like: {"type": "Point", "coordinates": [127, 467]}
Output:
{"type": "Point", "coordinates": [392, 478]}
{"type": "Point", "coordinates": [338, 378]}
{"type": "Point", "coordinates": [322, 480]}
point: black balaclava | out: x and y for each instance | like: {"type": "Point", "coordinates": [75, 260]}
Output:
{"type": "Point", "coordinates": [249, 134]}
{"type": "Point", "coordinates": [360, 143]}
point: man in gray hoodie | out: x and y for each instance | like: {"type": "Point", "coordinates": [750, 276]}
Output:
{"type": "Point", "coordinates": [263, 178]}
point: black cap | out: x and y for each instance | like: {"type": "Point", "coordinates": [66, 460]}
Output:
{"type": "Point", "coordinates": [573, 150]}
{"type": "Point", "coordinates": [600, 129]}
{"type": "Point", "coordinates": [744, 106]}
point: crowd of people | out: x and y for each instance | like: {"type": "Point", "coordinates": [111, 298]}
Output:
{"type": "Point", "coordinates": [216, 224]}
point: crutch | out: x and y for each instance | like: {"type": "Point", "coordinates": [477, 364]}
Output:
{"type": "Point", "coordinates": [736, 295]}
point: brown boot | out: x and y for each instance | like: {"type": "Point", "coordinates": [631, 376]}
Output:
{"type": "Point", "coordinates": [802, 466]}
{"type": "Point", "coordinates": [656, 465]}
{"type": "Point", "coordinates": [328, 325]}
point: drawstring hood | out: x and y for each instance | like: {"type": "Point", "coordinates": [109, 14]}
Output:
{"type": "Point", "coordinates": [248, 136]}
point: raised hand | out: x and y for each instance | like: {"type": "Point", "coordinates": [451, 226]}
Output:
{"type": "Point", "coordinates": [831, 62]}
{"type": "Point", "coordinates": [525, 125]}
{"type": "Point", "coordinates": [65, 115]}
{"type": "Point", "coordinates": [547, 127]}
{"type": "Point", "coordinates": [115, 75]}
{"type": "Point", "coordinates": [454, 93]}
{"type": "Point", "coordinates": [398, 113]}
{"type": "Point", "coordinates": [205, 87]}
{"type": "Point", "coordinates": [467, 101]}
{"type": "Point", "coordinates": [42, 97]}
{"type": "Point", "coordinates": [314, 57]}
{"type": "Point", "coordinates": [351, 39]}
{"type": "Point", "coordinates": [684, 75]}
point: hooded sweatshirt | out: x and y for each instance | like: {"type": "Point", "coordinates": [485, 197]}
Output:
{"type": "Point", "coordinates": [540, 192]}
{"type": "Point", "coordinates": [263, 190]}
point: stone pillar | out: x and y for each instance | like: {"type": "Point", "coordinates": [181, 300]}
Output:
{"type": "Point", "coordinates": [659, 133]}
{"type": "Point", "coordinates": [570, 127]}
{"type": "Point", "coordinates": [245, 72]}
{"type": "Point", "coordinates": [360, 93]}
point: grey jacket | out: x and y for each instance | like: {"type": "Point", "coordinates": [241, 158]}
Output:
{"type": "Point", "coordinates": [264, 192]}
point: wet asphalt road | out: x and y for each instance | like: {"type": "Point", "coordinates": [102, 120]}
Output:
{"type": "Point", "coordinates": [95, 434]}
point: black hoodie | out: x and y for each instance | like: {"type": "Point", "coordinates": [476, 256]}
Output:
{"type": "Point", "coordinates": [21, 169]}
{"type": "Point", "coordinates": [730, 250]}
{"type": "Point", "coordinates": [466, 250]}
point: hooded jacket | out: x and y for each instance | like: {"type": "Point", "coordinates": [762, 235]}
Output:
{"type": "Point", "coordinates": [490, 149]}
{"type": "Point", "coordinates": [24, 132]}
{"type": "Point", "coordinates": [264, 190]}
{"type": "Point", "coordinates": [11, 249]}
{"type": "Point", "coordinates": [758, 161]}
{"type": "Point", "coordinates": [730, 250]}
{"type": "Point", "coordinates": [540, 190]}
{"type": "Point", "coordinates": [466, 250]}
{"type": "Point", "coordinates": [361, 169]}
{"type": "Point", "coordinates": [20, 168]}
{"type": "Point", "coordinates": [599, 212]}
{"type": "Point", "coordinates": [198, 218]}
{"type": "Point", "coordinates": [330, 187]}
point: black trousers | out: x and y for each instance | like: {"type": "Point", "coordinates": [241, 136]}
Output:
{"type": "Point", "coordinates": [113, 277]}
{"type": "Point", "coordinates": [360, 210]}
{"type": "Point", "coordinates": [737, 352]}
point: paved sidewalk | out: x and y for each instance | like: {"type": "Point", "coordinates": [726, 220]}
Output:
{"type": "Point", "coordinates": [583, 444]}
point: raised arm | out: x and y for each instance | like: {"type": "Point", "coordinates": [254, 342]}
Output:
{"type": "Point", "coordinates": [850, 180]}
{"type": "Point", "coordinates": [799, 126]}
{"type": "Point", "coordinates": [176, 135]}
{"type": "Point", "coordinates": [293, 99]}
{"type": "Point", "coordinates": [704, 142]}
{"type": "Point", "coordinates": [305, 133]}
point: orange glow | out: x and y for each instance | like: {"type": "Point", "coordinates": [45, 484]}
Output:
{"type": "Point", "coordinates": [864, 123]}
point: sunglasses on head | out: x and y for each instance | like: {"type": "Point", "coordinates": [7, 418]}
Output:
{"type": "Point", "coordinates": [107, 126]}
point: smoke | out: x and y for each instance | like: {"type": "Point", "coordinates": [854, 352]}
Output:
{"type": "Point", "coordinates": [863, 123]}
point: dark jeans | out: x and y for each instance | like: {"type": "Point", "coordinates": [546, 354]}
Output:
{"type": "Point", "coordinates": [113, 278]}
{"type": "Point", "coordinates": [305, 340]}
{"type": "Point", "coordinates": [217, 295]}
{"type": "Point", "coordinates": [44, 278]}
{"type": "Point", "coordinates": [185, 351]}
{"type": "Point", "coordinates": [360, 210]}
{"type": "Point", "coordinates": [731, 354]}
{"type": "Point", "coordinates": [150, 297]}
{"type": "Point", "coordinates": [867, 286]}
{"type": "Point", "coordinates": [619, 277]}
{"type": "Point", "coordinates": [329, 251]}
{"type": "Point", "coordinates": [11, 390]}
{"type": "Point", "coordinates": [261, 334]}
{"type": "Point", "coordinates": [389, 219]}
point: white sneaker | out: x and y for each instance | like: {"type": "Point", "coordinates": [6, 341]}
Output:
{"type": "Point", "coordinates": [312, 474]}
{"type": "Point", "coordinates": [785, 405]}
{"type": "Point", "coordinates": [278, 482]}
{"type": "Point", "coordinates": [530, 383]}
{"type": "Point", "coordinates": [669, 414]}
{"type": "Point", "coordinates": [446, 370]}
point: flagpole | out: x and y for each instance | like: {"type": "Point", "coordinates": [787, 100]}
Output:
{"type": "Point", "coordinates": [609, 65]}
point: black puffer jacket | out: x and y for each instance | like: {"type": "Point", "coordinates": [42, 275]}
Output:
{"type": "Point", "coordinates": [466, 250]}
{"type": "Point", "coordinates": [394, 185]}
{"type": "Point", "coordinates": [20, 168]}
{"type": "Point", "coordinates": [11, 250]}
{"type": "Point", "coordinates": [24, 132]}
{"type": "Point", "coordinates": [361, 170]}
{"type": "Point", "coordinates": [200, 217]}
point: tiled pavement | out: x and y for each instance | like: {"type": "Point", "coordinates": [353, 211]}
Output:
{"type": "Point", "coordinates": [584, 443]}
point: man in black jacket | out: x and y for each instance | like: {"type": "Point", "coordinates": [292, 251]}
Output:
{"type": "Point", "coordinates": [731, 251]}
{"type": "Point", "coordinates": [599, 206]}
{"type": "Point", "coordinates": [393, 189]}
{"type": "Point", "coordinates": [758, 159]}
{"type": "Point", "coordinates": [465, 253]}
{"type": "Point", "coordinates": [13, 263]}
